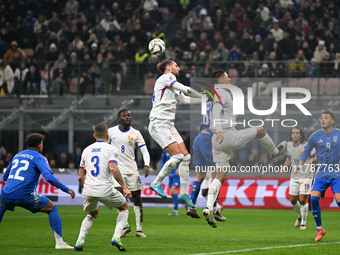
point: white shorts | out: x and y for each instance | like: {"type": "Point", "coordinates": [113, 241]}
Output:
{"type": "Point", "coordinates": [164, 132]}
{"type": "Point", "coordinates": [206, 182]}
{"type": "Point", "coordinates": [300, 186]}
{"type": "Point", "coordinates": [113, 199]}
{"type": "Point", "coordinates": [233, 140]}
{"type": "Point", "coordinates": [131, 181]}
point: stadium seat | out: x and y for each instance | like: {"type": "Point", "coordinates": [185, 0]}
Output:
{"type": "Point", "coordinates": [292, 82]}
{"type": "Point", "coordinates": [74, 84]}
{"type": "Point", "coordinates": [315, 83]}
{"type": "Point", "coordinates": [305, 83]}
{"type": "Point", "coordinates": [332, 86]}
{"type": "Point", "coordinates": [28, 52]}
{"type": "Point", "coordinates": [149, 86]}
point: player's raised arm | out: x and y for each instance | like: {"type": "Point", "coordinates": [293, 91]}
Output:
{"type": "Point", "coordinates": [118, 176]}
{"type": "Point", "coordinates": [307, 151]}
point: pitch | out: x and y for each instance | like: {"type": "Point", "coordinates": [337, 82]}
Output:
{"type": "Point", "coordinates": [245, 231]}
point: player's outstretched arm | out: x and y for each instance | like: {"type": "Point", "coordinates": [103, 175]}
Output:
{"type": "Point", "coordinates": [186, 90]}
{"type": "Point", "coordinates": [71, 192]}
{"type": "Point", "coordinates": [285, 165]}
{"type": "Point", "coordinates": [81, 177]}
{"type": "Point", "coordinates": [117, 175]}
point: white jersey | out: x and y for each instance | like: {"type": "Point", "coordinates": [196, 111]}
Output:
{"type": "Point", "coordinates": [295, 152]}
{"type": "Point", "coordinates": [95, 160]}
{"type": "Point", "coordinates": [124, 142]}
{"type": "Point", "coordinates": [226, 118]}
{"type": "Point", "coordinates": [164, 100]}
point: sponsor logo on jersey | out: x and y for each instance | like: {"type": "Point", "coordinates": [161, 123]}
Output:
{"type": "Point", "coordinates": [320, 141]}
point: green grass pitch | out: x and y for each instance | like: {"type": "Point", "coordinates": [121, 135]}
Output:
{"type": "Point", "coordinates": [24, 233]}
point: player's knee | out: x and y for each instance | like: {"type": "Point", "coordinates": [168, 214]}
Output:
{"type": "Point", "coordinates": [293, 200]}
{"type": "Point", "coordinates": [187, 158]}
{"type": "Point", "coordinates": [94, 214]}
{"type": "Point", "coordinates": [178, 157]}
{"type": "Point", "coordinates": [125, 206]}
{"type": "Point", "coordinates": [261, 132]}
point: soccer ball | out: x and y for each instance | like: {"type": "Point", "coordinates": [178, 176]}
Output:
{"type": "Point", "coordinates": [157, 46]}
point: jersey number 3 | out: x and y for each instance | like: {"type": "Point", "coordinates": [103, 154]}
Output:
{"type": "Point", "coordinates": [15, 172]}
{"type": "Point", "coordinates": [95, 160]}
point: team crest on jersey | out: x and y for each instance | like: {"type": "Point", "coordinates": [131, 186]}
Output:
{"type": "Point", "coordinates": [335, 139]}
{"type": "Point", "coordinates": [300, 153]}
{"type": "Point", "coordinates": [130, 138]}
{"type": "Point", "coordinates": [169, 137]}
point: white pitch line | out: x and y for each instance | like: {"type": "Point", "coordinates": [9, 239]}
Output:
{"type": "Point", "coordinates": [266, 248]}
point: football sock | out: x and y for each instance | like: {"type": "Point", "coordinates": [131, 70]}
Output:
{"type": "Point", "coordinates": [297, 208]}
{"type": "Point", "coordinates": [316, 211]}
{"type": "Point", "coordinates": [214, 187]}
{"type": "Point", "coordinates": [304, 212]}
{"type": "Point", "coordinates": [337, 203]}
{"type": "Point", "coordinates": [184, 174]}
{"type": "Point", "coordinates": [55, 223]}
{"type": "Point", "coordinates": [195, 190]}
{"type": "Point", "coordinates": [175, 201]}
{"type": "Point", "coordinates": [168, 167]}
{"type": "Point", "coordinates": [139, 217]}
{"type": "Point", "coordinates": [268, 143]}
{"type": "Point", "coordinates": [2, 212]}
{"type": "Point", "coordinates": [120, 223]}
{"type": "Point", "coordinates": [215, 204]}
{"type": "Point", "coordinates": [85, 227]}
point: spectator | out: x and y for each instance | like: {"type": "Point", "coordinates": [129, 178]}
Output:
{"type": "Point", "coordinates": [53, 52]}
{"type": "Point", "coordinates": [320, 51]}
{"type": "Point", "coordinates": [149, 4]}
{"type": "Point", "coordinates": [71, 7]}
{"type": "Point", "coordinates": [277, 31]}
{"type": "Point", "coordinates": [59, 80]}
{"type": "Point", "coordinates": [203, 19]}
{"type": "Point", "coordinates": [312, 69]}
{"type": "Point", "coordinates": [219, 20]}
{"type": "Point", "coordinates": [32, 81]}
{"type": "Point", "coordinates": [148, 24]}
{"type": "Point", "coordinates": [336, 70]}
{"type": "Point", "coordinates": [326, 66]}
{"type": "Point", "coordinates": [45, 77]}
{"type": "Point", "coordinates": [30, 20]}
{"type": "Point", "coordinates": [14, 55]}
{"type": "Point", "coordinates": [189, 20]}
{"type": "Point", "coordinates": [221, 52]}
{"type": "Point", "coordinates": [61, 59]}
{"type": "Point", "coordinates": [6, 79]}
{"type": "Point", "coordinates": [307, 52]}
{"type": "Point", "coordinates": [63, 160]}
{"type": "Point", "coordinates": [202, 42]}
{"type": "Point", "coordinates": [264, 11]}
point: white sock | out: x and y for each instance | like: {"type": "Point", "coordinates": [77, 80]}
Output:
{"type": "Point", "coordinates": [214, 187]}
{"type": "Point", "coordinates": [168, 167]}
{"type": "Point", "coordinates": [120, 223]}
{"type": "Point", "coordinates": [139, 217]}
{"type": "Point", "coordinates": [85, 227]}
{"type": "Point", "coordinates": [58, 238]}
{"type": "Point", "coordinates": [268, 143]}
{"type": "Point", "coordinates": [297, 208]}
{"type": "Point", "coordinates": [304, 213]}
{"type": "Point", "coordinates": [184, 174]}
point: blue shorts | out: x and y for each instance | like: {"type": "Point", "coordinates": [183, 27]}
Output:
{"type": "Point", "coordinates": [321, 185]}
{"type": "Point", "coordinates": [33, 202]}
{"type": "Point", "coordinates": [174, 181]}
{"type": "Point", "coordinates": [202, 148]}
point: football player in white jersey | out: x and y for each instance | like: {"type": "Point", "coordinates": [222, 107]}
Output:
{"type": "Point", "coordinates": [226, 139]}
{"type": "Point", "coordinates": [124, 138]}
{"type": "Point", "coordinates": [161, 128]}
{"type": "Point", "coordinates": [99, 164]}
{"type": "Point", "coordinates": [301, 180]}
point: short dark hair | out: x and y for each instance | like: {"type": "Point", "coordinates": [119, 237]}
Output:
{"type": "Point", "coordinates": [302, 133]}
{"type": "Point", "coordinates": [33, 140]}
{"type": "Point", "coordinates": [217, 74]}
{"type": "Point", "coordinates": [100, 131]}
{"type": "Point", "coordinates": [162, 66]}
{"type": "Point", "coordinates": [121, 111]}
{"type": "Point", "coordinates": [330, 113]}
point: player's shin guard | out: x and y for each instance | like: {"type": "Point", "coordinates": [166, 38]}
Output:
{"type": "Point", "coordinates": [120, 223]}
{"type": "Point", "coordinates": [175, 201]}
{"type": "Point", "coordinates": [268, 143]}
{"type": "Point", "coordinates": [139, 217]}
{"type": "Point", "coordinates": [168, 167]}
{"type": "Point", "coordinates": [297, 208]}
{"type": "Point", "coordinates": [85, 227]}
{"type": "Point", "coordinates": [195, 190]}
{"type": "Point", "coordinates": [55, 223]}
{"type": "Point", "coordinates": [184, 174]}
{"type": "Point", "coordinates": [214, 188]}
{"type": "Point", "coordinates": [304, 213]}
{"type": "Point", "coordinates": [316, 211]}
{"type": "Point", "coordinates": [2, 212]}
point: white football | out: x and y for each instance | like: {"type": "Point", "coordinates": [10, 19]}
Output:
{"type": "Point", "coordinates": [157, 46]}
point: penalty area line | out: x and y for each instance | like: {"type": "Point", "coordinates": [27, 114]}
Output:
{"type": "Point", "coordinates": [267, 248]}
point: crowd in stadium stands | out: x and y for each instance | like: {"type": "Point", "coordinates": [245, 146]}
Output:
{"type": "Point", "coordinates": [304, 35]}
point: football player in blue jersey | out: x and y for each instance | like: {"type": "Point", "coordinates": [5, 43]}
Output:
{"type": "Point", "coordinates": [327, 144]}
{"type": "Point", "coordinates": [22, 176]}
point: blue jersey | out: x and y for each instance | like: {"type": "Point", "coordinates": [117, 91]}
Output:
{"type": "Point", "coordinates": [328, 152]}
{"type": "Point", "coordinates": [205, 124]}
{"type": "Point", "coordinates": [22, 174]}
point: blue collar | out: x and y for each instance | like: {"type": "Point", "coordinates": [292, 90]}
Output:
{"type": "Point", "coordinates": [123, 130]}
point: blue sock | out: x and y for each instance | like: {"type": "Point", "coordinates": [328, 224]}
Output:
{"type": "Point", "coordinates": [175, 201]}
{"type": "Point", "coordinates": [215, 204]}
{"type": "Point", "coordinates": [55, 221]}
{"type": "Point", "coordinates": [316, 211]}
{"type": "Point", "coordinates": [337, 203]}
{"type": "Point", "coordinates": [2, 212]}
{"type": "Point", "coordinates": [195, 190]}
